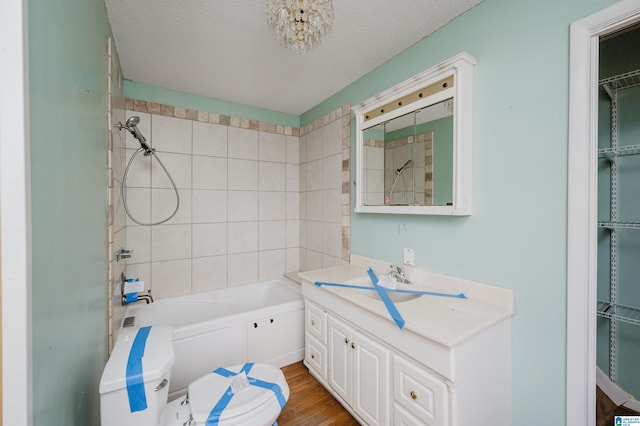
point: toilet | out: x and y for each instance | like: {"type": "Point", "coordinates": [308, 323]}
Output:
{"type": "Point", "coordinates": [134, 387]}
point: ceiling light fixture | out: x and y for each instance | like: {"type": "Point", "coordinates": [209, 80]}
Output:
{"type": "Point", "coordinates": [300, 24]}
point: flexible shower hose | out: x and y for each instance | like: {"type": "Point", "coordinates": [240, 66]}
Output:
{"type": "Point", "coordinates": [124, 183]}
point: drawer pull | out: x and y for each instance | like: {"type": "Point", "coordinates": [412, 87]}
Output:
{"type": "Point", "coordinates": [313, 356]}
{"type": "Point", "coordinates": [313, 323]}
{"type": "Point", "coordinates": [414, 395]}
{"type": "Point", "coordinates": [346, 341]}
{"type": "Point", "coordinates": [353, 345]}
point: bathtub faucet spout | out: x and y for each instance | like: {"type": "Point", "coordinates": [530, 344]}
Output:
{"type": "Point", "coordinates": [129, 298]}
{"type": "Point", "coordinates": [146, 297]}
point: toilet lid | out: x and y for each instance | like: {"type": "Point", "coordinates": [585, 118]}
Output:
{"type": "Point", "coordinates": [213, 390]}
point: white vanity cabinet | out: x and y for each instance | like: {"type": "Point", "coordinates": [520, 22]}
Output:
{"type": "Point", "coordinates": [450, 365]}
{"type": "Point", "coordinates": [358, 371]}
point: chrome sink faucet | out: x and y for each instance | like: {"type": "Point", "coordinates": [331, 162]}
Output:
{"type": "Point", "coordinates": [397, 273]}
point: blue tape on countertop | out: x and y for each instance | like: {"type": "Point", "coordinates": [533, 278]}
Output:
{"type": "Point", "coordinates": [388, 303]}
{"type": "Point", "coordinates": [223, 402]}
{"type": "Point", "coordinates": [135, 379]}
{"type": "Point", "coordinates": [396, 290]}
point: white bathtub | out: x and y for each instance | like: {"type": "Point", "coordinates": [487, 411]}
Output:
{"type": "Point", "coordinates": [261, 322]}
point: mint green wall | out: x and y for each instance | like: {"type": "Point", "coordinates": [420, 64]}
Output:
{"type": "Point", "coordinates": [67, 63]}
{"type": "Point", "coordinates": [160, 95]}
{"type": "Point", "coordinates": [516, 236]}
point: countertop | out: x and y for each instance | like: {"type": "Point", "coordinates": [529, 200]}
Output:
{"type": "Point", "coordinates": [448, 321]}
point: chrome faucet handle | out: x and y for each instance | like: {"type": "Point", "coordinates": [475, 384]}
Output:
{"type": "Point", "coordinates": [398, 274]}
{"type": "Point", "coordinates": [398, 269]}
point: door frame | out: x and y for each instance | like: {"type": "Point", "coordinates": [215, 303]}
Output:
{"type": "Point", "coordinates": [15, 215]}
{"type": "Point", "coordinates": [582, 205]}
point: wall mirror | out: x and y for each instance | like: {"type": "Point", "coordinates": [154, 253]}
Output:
{"type": "Point", "coordinates": [413, 144]}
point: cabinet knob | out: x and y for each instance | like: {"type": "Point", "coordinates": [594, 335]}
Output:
{"type": "Point", "coordinates": [413, 394]}
{"type": "Point", "coordinates": [346, 341]}
{"type": "Point", "coordinates": [313, 323]}
{"type": "Point", "coordinates": [313, 356]}
{"type": "Point", "coordinates": [353, 345]}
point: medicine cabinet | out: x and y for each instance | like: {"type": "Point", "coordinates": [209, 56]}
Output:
{"type": "Point", "coordinates": [413, 144]}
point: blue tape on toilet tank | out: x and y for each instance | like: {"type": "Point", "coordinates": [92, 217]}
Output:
{"type": "Point", "coordinates": [135, 379]}
{"type": "Point", "coordinates": [223, 402]}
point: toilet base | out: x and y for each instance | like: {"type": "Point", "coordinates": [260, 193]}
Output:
{"type": "Point", "coordinates": [176, 414]}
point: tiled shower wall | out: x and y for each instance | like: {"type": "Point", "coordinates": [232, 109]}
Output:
{"type": "Point", "coordinates": [324, 183]}
{"type": "Point", "coordinates": [242, 217]}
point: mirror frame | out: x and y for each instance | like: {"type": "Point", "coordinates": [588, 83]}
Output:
{"type": "Point", "coordinates": [460, 67]}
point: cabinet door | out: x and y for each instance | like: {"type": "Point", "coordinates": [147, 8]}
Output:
{"type": "Point", "coordinates": [340, 353]}
{"type": "Point", "coordinates": [371, 395]}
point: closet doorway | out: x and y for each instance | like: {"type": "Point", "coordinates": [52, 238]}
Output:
{"type": "Point", "coordinates": [618, 234]}
{"type": "Point", "coordinates": [583, 218]}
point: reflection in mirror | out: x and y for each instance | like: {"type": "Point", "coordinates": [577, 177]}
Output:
{"type": "Point", "coordinates": [408, 160]}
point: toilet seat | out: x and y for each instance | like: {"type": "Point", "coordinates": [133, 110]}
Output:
{"type": "Point", "coordinates": [211, 399]}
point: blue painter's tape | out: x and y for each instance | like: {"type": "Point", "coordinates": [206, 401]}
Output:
{"type": "Point", "coordinates": [223, 402]}
{"type": "Point", "coordinates": [388, 303]}
{"type": "Point", "coordinates": [216, 411]}
{"type": "Point", "coordinates": [130, 298]}
{"type": "Point", "coordinates": [135, 379]}
{"type": "Point", "coordinates": [273, 387]}
{"type": "Point", "coordinates": [361, 287]}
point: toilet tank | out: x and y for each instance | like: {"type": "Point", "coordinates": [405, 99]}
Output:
{"type": "Point", "coordinates": [135, 382]}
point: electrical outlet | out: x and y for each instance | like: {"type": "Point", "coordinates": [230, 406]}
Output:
{"type": "Point", "coordinates": [408, 256]}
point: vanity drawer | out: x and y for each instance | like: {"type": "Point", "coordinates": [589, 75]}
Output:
{"type": "Point", "coordinates": [316, 322]}
{"type": "Point", "coordinates": [422, 393]}
{"type": "Point", "coordinates": [402, 416]}
{"type": "Point", "coordinates": [315, 355]}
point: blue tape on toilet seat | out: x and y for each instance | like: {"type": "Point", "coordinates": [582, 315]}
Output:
{"type": "Point", "coordinates": [223, 402]}
{"type": "Point", "coordinates": [135, 379]}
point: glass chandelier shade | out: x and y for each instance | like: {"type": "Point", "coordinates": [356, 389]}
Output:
{"type": "Point", "coordinates": [299, 25]}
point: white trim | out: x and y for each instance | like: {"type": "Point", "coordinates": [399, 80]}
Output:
{"type": "Point", "coordinates": [582, 206]}
{"type": "Point", "coordinates": [15, 215]}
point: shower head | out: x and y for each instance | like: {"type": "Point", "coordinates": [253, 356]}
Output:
{"type": "Point", "coordinates": [404, 166]}
{"type": "Point", "coordinates": [131, 126]}
{"type": "Point", "coordinates": [133, 121]}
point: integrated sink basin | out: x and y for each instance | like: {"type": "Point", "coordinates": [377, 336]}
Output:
{"type": "Point", "coordinates": [396, 297]}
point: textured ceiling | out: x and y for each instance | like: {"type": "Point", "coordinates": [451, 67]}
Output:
{"type": "Point", "coordinates": [224, 49]}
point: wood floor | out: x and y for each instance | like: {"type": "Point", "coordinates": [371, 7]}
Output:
{"type": "Point", "coordinates": [309, 403]}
